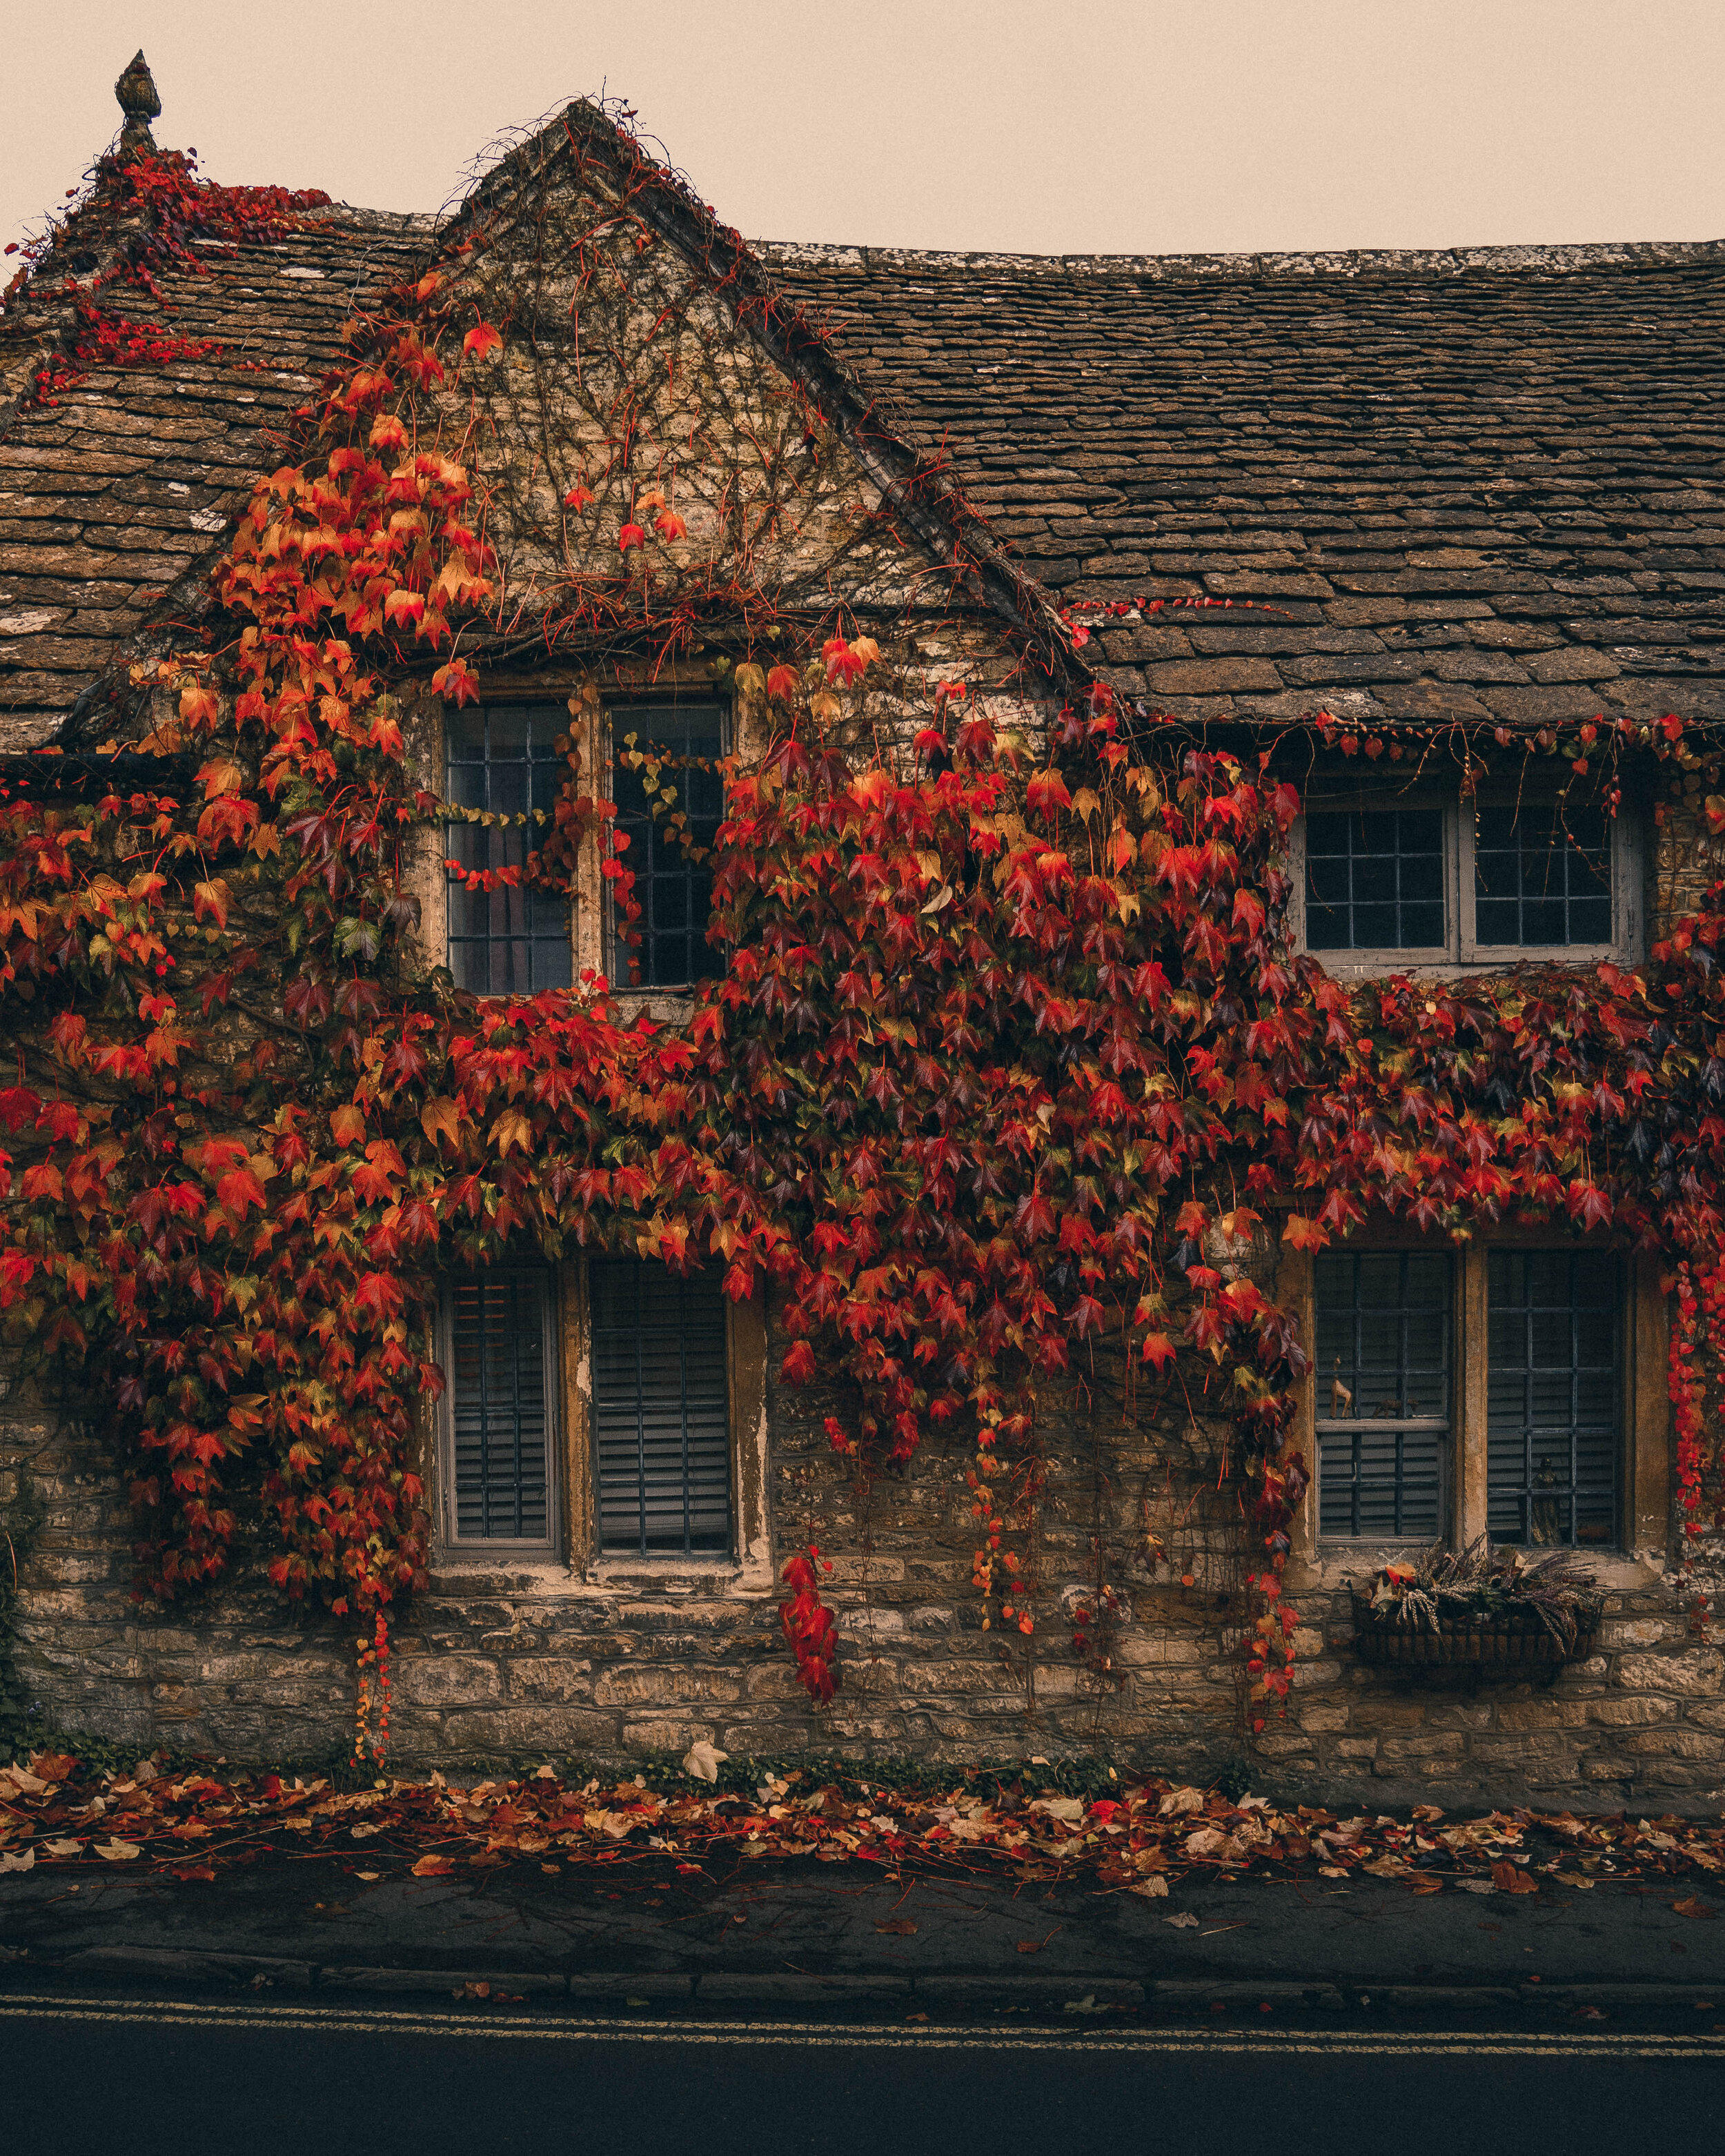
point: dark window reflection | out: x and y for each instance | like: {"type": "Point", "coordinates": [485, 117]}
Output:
{"type": "Point", "coordinates": [1543, 877]}
{"type": "Point", "coordinates": [506, 942]}
{"type": "Point", "coordinates": [1374, 879]}
{"type": "Point", "coordinates": [672, 867]}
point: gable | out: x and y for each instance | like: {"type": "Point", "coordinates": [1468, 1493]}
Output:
{"type": "Point", "coordinates": [650, 380]}
{"type": "Point", "coordinates": [644, 358]}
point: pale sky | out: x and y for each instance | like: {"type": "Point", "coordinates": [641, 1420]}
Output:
{"type": "Point", "coordinates": [1119, 127]}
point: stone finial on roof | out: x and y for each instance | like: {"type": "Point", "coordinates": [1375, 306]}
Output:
{"type": "Point", "coordinates": [136, 90]}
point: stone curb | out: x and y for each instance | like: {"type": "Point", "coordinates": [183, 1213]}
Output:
{"type": "Point", "coordinates": [445, 1980]}
{"type": "Point", "coordinates": [181, 1962]}
{"type": "Point", "coordinates": [721, 1987]}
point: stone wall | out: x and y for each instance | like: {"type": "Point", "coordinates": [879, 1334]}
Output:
{"type": "Point", "coordinates": [507, 1661]}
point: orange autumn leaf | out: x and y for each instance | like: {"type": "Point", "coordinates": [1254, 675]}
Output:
{"type": "Point", "coordinates": [440, 1117]}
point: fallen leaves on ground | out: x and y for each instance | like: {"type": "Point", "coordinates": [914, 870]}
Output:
{"type": "Point", "coordinates": [56, 1811]}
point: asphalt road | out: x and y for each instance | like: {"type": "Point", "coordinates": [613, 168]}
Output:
{"type": "Point", "coordinates": [149, 2075]}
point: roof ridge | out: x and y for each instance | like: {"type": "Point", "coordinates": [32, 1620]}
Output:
{"type": "Point", "coordinates": [1567, 258]}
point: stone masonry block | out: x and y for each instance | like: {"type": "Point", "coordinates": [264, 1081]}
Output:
{"type": "Point", "coordinates": [1637, 1713]}
{"type": "Point", "coordinates": [1542, 1714]}
{"type": "Point", "coordinates": [512, 1730]}
{"type": "Point", "coordinates": [1674, 1743]}
{"type": "Point", "coordinates": [1696, 1671]}
{"type": "Point", "coordinates": [1637, 1632]}
{"type": "Point", "coordinates": [554, 1680]}
{"type": "Point", "coordinates": [659, 1686]}
{"type": "Point", "coordinates": [445, 1681]}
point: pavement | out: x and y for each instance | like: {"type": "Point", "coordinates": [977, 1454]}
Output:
{"type": "Point", "coordinates": [843, 1939]}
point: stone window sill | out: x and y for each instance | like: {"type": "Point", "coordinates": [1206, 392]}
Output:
{"type": "Point", "coordinates": [680, 1575]}
{"type": "Point", "coordinates": [466, 1572]}
{"type": "Point", "coordinates": [1335, 1564]}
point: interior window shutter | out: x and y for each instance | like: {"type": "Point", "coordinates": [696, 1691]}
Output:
{"type": "Point", "coordinates": [499, 1407]}
{"type": "Point", "coordinates": [661, 1409]}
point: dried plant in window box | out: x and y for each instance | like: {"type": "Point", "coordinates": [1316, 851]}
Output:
{"type": "Point", "coordinates": [1476, 1607]}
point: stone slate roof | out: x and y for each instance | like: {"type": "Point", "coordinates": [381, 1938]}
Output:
{"type": "Point", "coordinates": [115, 500]}
{"type": "Point", "coordinates": [1484, 482]}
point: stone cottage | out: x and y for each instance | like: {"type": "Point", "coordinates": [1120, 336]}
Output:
{"type": "Point", "coordinates": [1481, 486]}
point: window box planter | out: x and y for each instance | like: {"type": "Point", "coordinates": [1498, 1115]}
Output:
{"type": "Point", "coordinates": [1509, 1639]}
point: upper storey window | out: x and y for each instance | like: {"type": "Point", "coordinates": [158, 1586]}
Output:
{"type": "Point", "coordinates": [670, 812]}
{"type": "Point", "coordinates": [1375, 881]}
{"type": "Point", "coordinates": [1535, 886]}
{"type": "Point", "coordinates": [1390, 884]}
{"type": "Point", "coordinates": [510, 940]}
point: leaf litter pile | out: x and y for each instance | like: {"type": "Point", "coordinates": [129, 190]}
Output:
{"type": "Point", "coordinates": [57, 1812]}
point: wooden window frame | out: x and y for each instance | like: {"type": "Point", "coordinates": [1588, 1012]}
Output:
{"type": "Point", "coordinates": [1461, 952]}
{"type": "Point", "coordinates": [748, 1559]}
{"type": "Point", "coordinates": [746, 1565]}
{"type": "Point", "coordinates": [1644, 1463]}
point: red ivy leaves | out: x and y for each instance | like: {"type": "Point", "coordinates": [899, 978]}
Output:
{"type": "Point", "coordinates": [808, 1625]}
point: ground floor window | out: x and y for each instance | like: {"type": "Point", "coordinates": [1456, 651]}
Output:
{"type": "Point", "coordinates": [661, 1409]}
{"type": "Point", "coordinates": [1384, 1355]}
{"type": "Point", "coordinates": [500, 1355]}
{"type": "Point", "coordinates": [1530, 1349]}
{"type": "Point", "coordinates": [1554, 1388]}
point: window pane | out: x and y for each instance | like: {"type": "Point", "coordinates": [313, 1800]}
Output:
{"type": "Point", "coordinates": [673, 886]}
{"type": "Point", "coordinates": [1382, 1358]}
{"type": "Point", "coordinates": [499, 1406]}
{"type": "Point", "coordinates": [1543, 877]}
{"type": "Point", "coordinates": [509, 941]}
{"type": "Point", "coordinates": [1374, 879]}
{"type": "Point", "coordinates": [661, 1407]}
{"type": "Point", "coordinates": [1552, 1396]}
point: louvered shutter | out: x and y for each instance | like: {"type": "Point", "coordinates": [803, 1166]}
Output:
{"type": "Point", "coordinates": [1553, 1396]}
{"type": "Point", "coordinates": [1382, 1392]}
{"type": "Point", "coordinates": [499, 1407]}
{"type": "Point", "coordinates": [661, 1409]}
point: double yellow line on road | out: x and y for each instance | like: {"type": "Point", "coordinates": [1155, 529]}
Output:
{"type": "Point", "coordinates": [1124, 2042]}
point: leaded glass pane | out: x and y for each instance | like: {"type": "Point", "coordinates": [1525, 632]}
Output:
{"type": "Point", "coordinates": [1543, 877]}
{"type": "Point", "coordinates": [661, 1407]}
{"type": "Point", "coordinates": [1383, 1378]}
{"type": "Point", "coordinates": [499, 1407]}
{"type": "Point", "coordinates": [667, 947]}
{"type": "Point", "coordinates": [1374, 879]}
{"type": "Point", "coordinates": [510, 940]}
